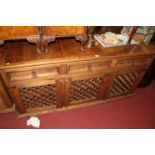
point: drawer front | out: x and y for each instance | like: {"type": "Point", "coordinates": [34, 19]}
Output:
{"type": "Point", "coordinates": [89, 67]}
{"type": "Point", "coordinates": [100, 66]}
{"type": "Point", "coordinates": [134, 62]}
{"type": "Point", "coordinates": [18, 76]}
{"type": "Point", "coordinates": [29, 74]}
{"type": "Point", "coordinates": [78, 68]}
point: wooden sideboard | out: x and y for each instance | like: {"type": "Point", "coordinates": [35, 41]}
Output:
{"type": "Point", "coordinates": [66, 78]}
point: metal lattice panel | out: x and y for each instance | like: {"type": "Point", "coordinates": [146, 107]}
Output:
{"type": "Point", "coordinates": [123, 84]}
{"type": "Point", "coordinates": [39, 96]}
{"type": "Point", "coordinates": [85, 89]}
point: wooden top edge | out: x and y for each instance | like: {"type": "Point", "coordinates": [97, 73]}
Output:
{"type": "Point", "coordinates": [95, 53]}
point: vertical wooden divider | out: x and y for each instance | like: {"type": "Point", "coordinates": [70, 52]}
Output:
{"type": "Point", "coordinates": [104, 85]}
{"type": "Point", "coordinates": [63, 92]}
{"type": "Point", "coordinates": [17, 99]}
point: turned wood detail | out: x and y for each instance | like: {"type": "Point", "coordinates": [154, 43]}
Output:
{"type": "Point", "coordinates": [46, 41]}
{"type": "Point", "coordinates": [41, 43]}
{"type": "Point", "coordinates": [43, 40]}
{"type": "Point", "coordinates": [37, 42]}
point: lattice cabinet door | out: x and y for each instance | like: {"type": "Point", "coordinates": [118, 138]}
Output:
{"type": "Point", "coordinates": [35, 98]}
{"type": "Point", "coordinates": [85, 90]}
{"type": "Point", "coordinates": [124, 83]}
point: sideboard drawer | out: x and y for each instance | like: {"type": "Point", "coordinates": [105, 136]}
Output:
{"type": "Point", "coordinates": [91, 66]}
{"type": "Point", "coordinates": [45, 72]}
{"type": "Point", "coordinates": [133, 62]}
{"type": "Point", "coordinates": [22, 75]}
{"type": "Point", "coordinates": [102, 65]}
{"type": "Point", "coordinates": [15, 76]}
{"type": "Point", "coordinates": [80, 68]}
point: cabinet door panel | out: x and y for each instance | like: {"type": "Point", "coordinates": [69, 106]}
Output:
{"type": "Point", "coordinates": [125, 83]}
{"type": "Point", "coordinates": [40, 96]}
{"type": "Point", "coordinates": [35, 98]}
{"type": "Point", "coordinates": [85, 90]}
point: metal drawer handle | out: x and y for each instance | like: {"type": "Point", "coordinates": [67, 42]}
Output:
{"type": "Point", "coordinates": [34, 74]}
{"type": "Point", "coordinates": [89, 67]}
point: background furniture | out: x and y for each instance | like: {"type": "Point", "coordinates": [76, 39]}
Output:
{"type": "Point", "coordinates": [103, 29]}
{"type": "Point", "coordinates": [42, 35]}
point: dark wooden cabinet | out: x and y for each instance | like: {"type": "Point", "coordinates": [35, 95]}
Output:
{"type": "Point", "coordinates": [65, 77]}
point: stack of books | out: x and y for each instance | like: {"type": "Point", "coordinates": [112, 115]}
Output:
{"type": "Point", "coordinates": [110, 39]}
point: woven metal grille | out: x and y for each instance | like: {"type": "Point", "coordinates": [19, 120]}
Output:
{"type": "Point", "coordinates": [39, 96]}
{"type": "Point", "coordinates": [123, 84]}
{"type": "Point", "coordinates": [85, 89]}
